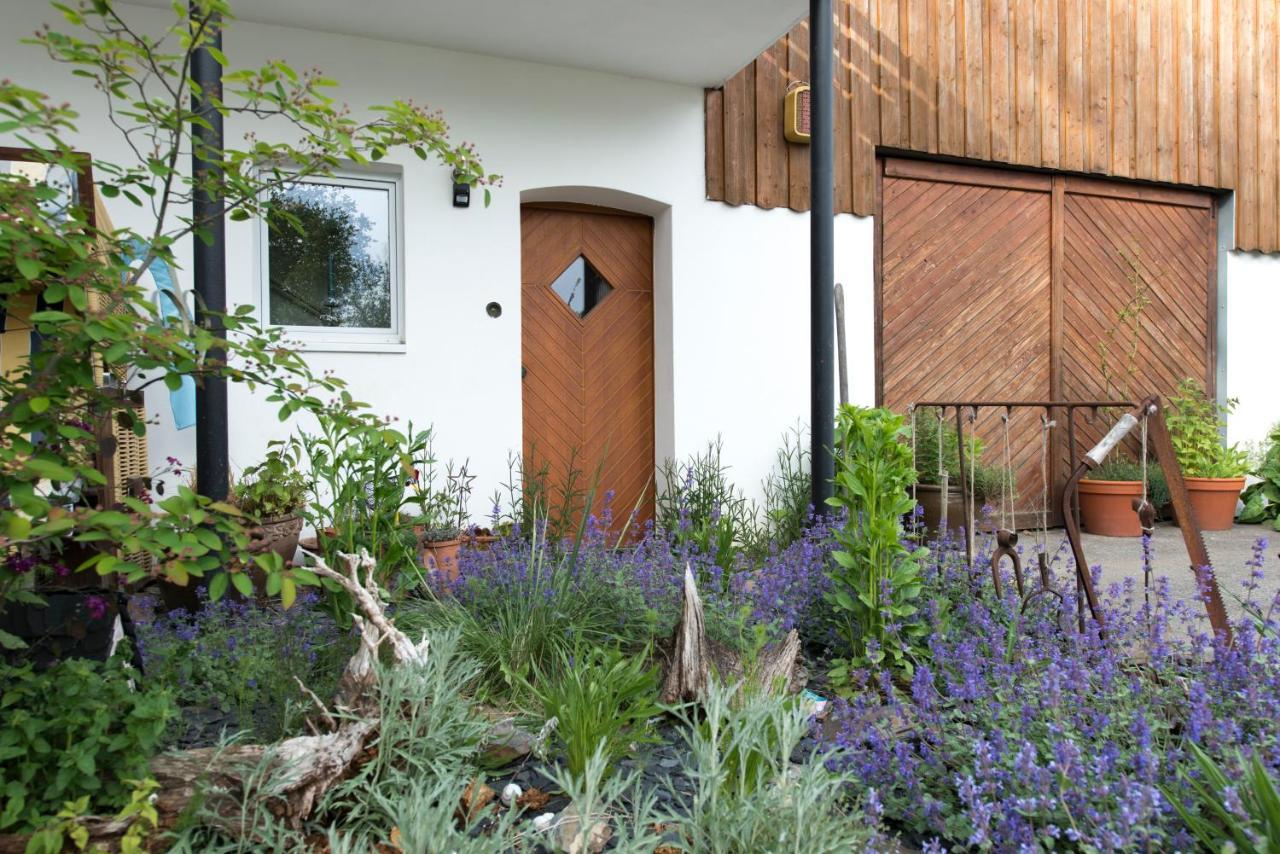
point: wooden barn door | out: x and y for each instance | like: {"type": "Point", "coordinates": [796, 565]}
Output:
{"type": "Point", "coordinates": [587, 350]}
{"type": "Point", "coordinates": [965, 305]}
{"type": "Point", "coordinates": [1002, 285]}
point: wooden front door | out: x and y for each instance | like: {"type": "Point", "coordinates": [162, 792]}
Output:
{"type": "Point", "coordinates": [587, 352]}
{"type": "Point", "coordinates": [1003, 285]}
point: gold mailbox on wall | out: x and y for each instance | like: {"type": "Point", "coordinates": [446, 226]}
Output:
{"type": "Point", "coordinates": [795, 114]}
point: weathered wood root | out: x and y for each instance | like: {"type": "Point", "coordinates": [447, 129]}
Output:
{"type": "Point", "coordinates": [693, 659]}
{"type": "Point", "coordinates": [298, 770]}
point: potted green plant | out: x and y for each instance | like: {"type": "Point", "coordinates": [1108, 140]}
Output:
{"type": "Point", "coordinates": [1214, 471]}
{"type": "Point", "coordinates": [987, 479]}
{"type": "Point", "coordinates": [441, 524]}
{"type": "Point", "coordinates": [273, 494]}
{"type": "Point", "coordinates": [1107, 494]}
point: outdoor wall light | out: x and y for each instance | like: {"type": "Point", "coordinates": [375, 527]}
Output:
{"type": "Point", "coordinates": [493, 309]}
{"type": "Point", "coordinates": [461, 193]}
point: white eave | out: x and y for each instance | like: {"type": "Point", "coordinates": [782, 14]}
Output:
{"type": "Point", "coordinates": [693, 42]}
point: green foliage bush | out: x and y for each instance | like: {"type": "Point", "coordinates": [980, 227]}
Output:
{"type": "Point", "coordinates": [875, 578]}
{"type": "Point", "coordinates": [79, 728]}
{"type": "Point", "coordinates": [1262, 499]}
{"type": "Point", "coordinates": [602, 699]}
{"type": "Point", "coordinates": [748, 793]}
{"type": "Point", "coordinates": [274, 487]}
{"type": "Point", "coordinates": [1196, 426]}
{"type": "Point", "coordinates": [1230, 810]}
{"type": "Point", "coordinates": [988, 479]}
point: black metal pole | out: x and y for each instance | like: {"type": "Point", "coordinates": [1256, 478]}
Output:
{"type": "Point", "coordinates": [210, 261]}
{"type": "Point", "coordinates": [822, 274]}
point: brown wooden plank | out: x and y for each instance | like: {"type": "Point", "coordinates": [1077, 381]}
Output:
{"type": "Point", "coordinates": [891, 88]}
{"type": "Point", "coordinates": [772, 179]}
{"type": "Point", "coordinates": [866, 102]}
{"type": "Point", "coordinates": [798, 155]}
{"type": "Point", "coordinates": [843, 107]}
{"type": "Point", "coordinates": [1121, 107]}
{"type": "Point", "coordinates": [1145, 62]}
{"type": "Point", "coordinates": [1225, 24]}
{"type": "Point", "coordinates": [897, 167]}
{"type": "Point", "coordinates": [923, 118]}
{"type": "Point", "coordinates": [1206, 63]}
{"type": "Point", "coordinates": [1072, 76]}
{"type": "Point", "coordinates": [1000, 53]}
{"type": "Point", "coordinates": [1246, 201]}
{"type": "Point", "coordinates": [950, 80]}
{"type": "Point", "coordinates": [1188, 114]}
{"type": "Point", "coordinates": [1026, 84]}
{"type": "Point", "coordinates": [1268, 226]}
{"type": "Point", "coordinates": [1098, 87]}
{"type": "Point", "coordinates": [1166, 93]}
{"type": "Point", "coordinates": [1138, 192]}
{"type": "Point", "coordinates": [714, 106]}
{"type": "Point", "coordinates": [974, 64]}
{"type": "Point", "coordinates": [740, 137]}
{"type": "Point", "coordinates": [1050, 119]}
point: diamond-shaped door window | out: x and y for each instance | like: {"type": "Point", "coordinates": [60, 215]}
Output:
{"type": "Point", "coordinates": [581, 286]}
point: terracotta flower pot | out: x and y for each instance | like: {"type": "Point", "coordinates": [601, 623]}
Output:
{"type": "Point", "coordinates": [1213, 499]}
{"type": "Point", "coordinates": [1106, 507]}
{"type": "Point", "coordinates": [441, 557]}
{"type": "Point", "coordinates": [929, 496]}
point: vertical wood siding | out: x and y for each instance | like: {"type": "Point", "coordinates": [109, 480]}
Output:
{"type": "Point", "coordinates": [1174, 91]}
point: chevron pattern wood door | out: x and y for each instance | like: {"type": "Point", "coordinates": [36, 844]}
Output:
{"type": "Point", "coordinates": [1001, 285]}
{"type": "Point", "coordinates": [964, 304]}
{"type": "Point", "coordinates": [587, 349]}
{"type": "Point", "coordinates": [1118, 247]}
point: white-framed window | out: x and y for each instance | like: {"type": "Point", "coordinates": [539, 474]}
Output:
{"type": "Point", "coordinates": [336, 284]}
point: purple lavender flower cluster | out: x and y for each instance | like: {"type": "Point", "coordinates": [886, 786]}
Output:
{"type": "Point", "coordinates": [1018, 734]}
{"type": "Point", "coordinates": [240, 657]}
{"type": "Point", "coordinates": [645, 572]}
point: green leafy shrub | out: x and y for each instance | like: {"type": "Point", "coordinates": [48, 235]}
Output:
{"type": "Point", "coordinates": [602, 700]}
{"type": "Point", "coordinates": [1262, 499]}
{"type": "Point", "coordinates": [274, 487]}
{"type": "Point", "coordinates": [875, 579]}
{"type": "Point", "coordinates": [78, 729]}
{"type": "Point", "coordinates": [700, 506]}
{"type": "Point", "coordinates": [988, 479]}
{"type": "Point", "coordinates": [787, 495]}
{"type": "Point", "coordinates": [1230, 811]}
{"type": "Point", "coordinates": [1196, 426]}
{"type": "Point", "coordinates": [524, 607]}
{"type": "Point", "coordinates": [748, 794]}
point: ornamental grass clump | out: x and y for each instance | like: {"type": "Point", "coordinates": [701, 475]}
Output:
{"type": "Point", "coordinates": [1015, 732]}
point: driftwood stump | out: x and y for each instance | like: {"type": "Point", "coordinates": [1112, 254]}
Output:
{"type": "Point", "coordinates": [693, 659]}
{"type": "Point", "coordinates": [301, 769]}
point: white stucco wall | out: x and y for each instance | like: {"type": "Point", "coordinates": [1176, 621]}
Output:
{"type": "Point", "coordinates": [732, 284]}
{"type": "Point", "coordinates": [1253, 366]}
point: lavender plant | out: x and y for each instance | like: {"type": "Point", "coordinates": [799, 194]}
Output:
{"type": "Point", "coordinates": [236, 662]}
{"type": "Point", "coordinates": [1016, 734]}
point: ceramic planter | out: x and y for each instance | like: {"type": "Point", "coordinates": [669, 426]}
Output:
{"type": "Point", "coordinates": [277, 534]}
{"type": "Point", "coordinates": [1106, 507]}
{"type": "Point", "coordinates": [1214, 500]}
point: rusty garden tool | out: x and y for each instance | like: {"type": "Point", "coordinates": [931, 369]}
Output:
{"type": "Point", "coordinates": [1006, 547]}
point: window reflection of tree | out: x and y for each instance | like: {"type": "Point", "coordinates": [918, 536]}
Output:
{"type": "Point", "coordinates": [324, 274]}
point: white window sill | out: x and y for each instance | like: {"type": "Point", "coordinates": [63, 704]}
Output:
{"type": "Point", "coordinates": [308, 344]}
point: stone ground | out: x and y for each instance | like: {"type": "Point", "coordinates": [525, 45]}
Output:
{"type": "Point", "coordinates": [1229, 550]}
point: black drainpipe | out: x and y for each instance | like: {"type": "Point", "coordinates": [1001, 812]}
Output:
{"type": "Point", "coordinates": [822, 273]}
{"type": "Point", "coordinates": [210, 269]}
